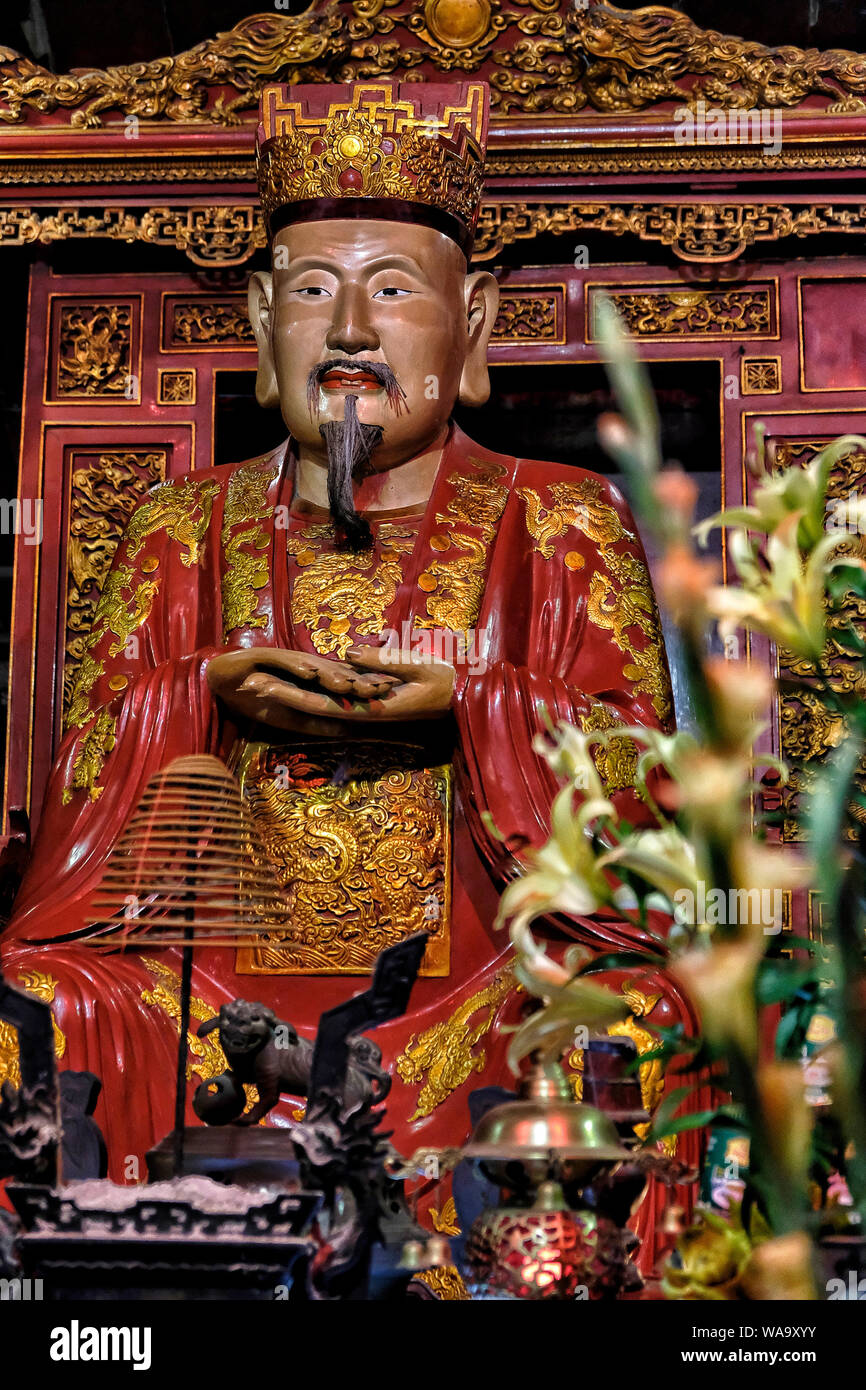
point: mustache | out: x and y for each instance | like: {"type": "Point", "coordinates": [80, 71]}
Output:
{"type": "Point", "coordinates": [380, 370]}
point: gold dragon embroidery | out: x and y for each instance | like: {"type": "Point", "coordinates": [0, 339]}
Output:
{"type": "Point", "coordinates": [87, 768]}
{"type": "Point", "coordinates": [574, 504]}
{"type": "Point", "coordinates": [182, 510]}
{"type": "Point", "coordinates": [441, 1057]}
{"type": "Point", "coordinates": [621, 599]}
{"type": "Point", "coordinates": [347, 592]}
{"type": "Point", "coordinates": [43, 987]}
{"type": "Point", "coordinates": [246, 552]}
{"type": "Point", "coordinates": [456, 586]}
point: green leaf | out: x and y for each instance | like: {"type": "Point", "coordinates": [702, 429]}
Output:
{"type": "Point", "coordinates": [780, 981]}
{"type": "Point", "coordinates": [686, 1122]}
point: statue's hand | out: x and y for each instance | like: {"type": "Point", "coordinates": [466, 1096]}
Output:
{"type": "Point", "coordinates": [425, 687]}
{"type": "Point", "coordinates": [293, 690]}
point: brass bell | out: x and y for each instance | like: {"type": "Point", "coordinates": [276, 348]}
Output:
{"type": "Point", "coordinates": [545, 1124]}
{"type": "Point", "coordinates": [438, 1252]}
{"type": "Point", "coordinates": [414, 1256]}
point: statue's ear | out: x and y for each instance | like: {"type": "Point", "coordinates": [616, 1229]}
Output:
{"type": "Point", "coordinates": [481, 298]}
{"type": "Point", "coordinates": [260, 299]}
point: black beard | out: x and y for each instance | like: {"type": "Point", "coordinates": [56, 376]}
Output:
{"type": "Point", "coordinates": [350, 444]}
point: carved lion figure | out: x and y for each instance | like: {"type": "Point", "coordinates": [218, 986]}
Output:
{"type": "Point", "coordinates": [264, 1052]}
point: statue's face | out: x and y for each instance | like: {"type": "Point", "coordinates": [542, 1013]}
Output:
{"type": "Point", "coordinates": [374, 291]}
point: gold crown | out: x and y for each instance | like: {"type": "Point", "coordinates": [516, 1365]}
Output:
{"type": "Point", "coordinates": [419, 146]}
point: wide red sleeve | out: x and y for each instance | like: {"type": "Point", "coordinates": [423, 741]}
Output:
{"type": "Point", "coordinates": [140, 698]}
{"type": "Point", "coordinates": [570, 627]}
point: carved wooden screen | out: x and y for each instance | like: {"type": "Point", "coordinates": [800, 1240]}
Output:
{"type": "Point", "coordinates": [120, 386]}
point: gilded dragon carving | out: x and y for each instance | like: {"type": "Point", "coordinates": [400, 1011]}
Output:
{"type": "Point", "coordinates": [441, 1058]}
{"type": "Point", "coordinates": [538, 55]}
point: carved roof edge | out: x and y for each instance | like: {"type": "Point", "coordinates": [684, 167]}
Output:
{"type": "Point", "coordinates": [543, 58]}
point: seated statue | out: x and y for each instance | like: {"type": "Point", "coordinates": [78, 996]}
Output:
{"type": "Point", "coordinates": [369, 625]}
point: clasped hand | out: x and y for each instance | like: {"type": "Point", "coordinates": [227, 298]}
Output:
{"type": "Point", "coordinates": [316, 695]}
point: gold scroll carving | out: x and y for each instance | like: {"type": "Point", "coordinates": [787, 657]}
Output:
{"type": "Point", "coordinates": [103, 496]}
{"type": "Point", "coordinates": [441, 1058]}
{"type": "Point", "coordinates": [95, 350]}
{"type": "Point", "coordinates": [694, 312]}
{"type": "Point", "coordinates": [529, 317]}
{"type": "Point", "coordinates": [360, 839]}
{"type": "Point", "coordinates": [539, 56]}
{"type": "Point", "coordinates": [227, 236]}
{"type": "Point", "coordinates": [808, 730]}
{"type": "Point", "coordinates": [700, 232]}
{"type": "Point", "coordinates": [209, 322]}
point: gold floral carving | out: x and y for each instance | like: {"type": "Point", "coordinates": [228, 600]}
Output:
{"type": "Point", "coordinates": [528, 318]}
{"type": "Point", "coordinates": [218, 235]}
{"type": "Point", "coordinates": [445, 1283]}
{"type": "Point", "coordinates": [441, 1058]}
{"type": "Point", "coordinates": [182, 510]}
{"type": "Point", "coordinates": [808, 731]}
{"type": "Point", "coordinates": [103, 496]}
{"type": "Point", "coordinates": [578, 505]}
{"type": "Point", "coordinates": [340, 595]}
{"type": "Point", "coordinates": [177, 388]}
{"type": "Point", "coordinates": [455, 586]}
{"type": "Point", "coordinates": [95, 350]}
{"type": "Point", "coordinates": [538, 55]}
{"type": "Point", "coordinates": [246, 552]}
{"type": "Point", "coordinates": [44, 987]}
{"type": "Point", "coordinates": [638, 58]}
{"type": "Point", "coordinates": [208, 1058]}
{"type": "Point", "coordinates": [178, 88]}
{"type": "Point", "coordinates": [360, 839]}
{"type": "Point", "coordinates": [210, 322]}
{"type": "Point", "coordinates": [761, 376]}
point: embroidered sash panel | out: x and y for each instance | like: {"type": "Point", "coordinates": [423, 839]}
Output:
{"type": "Point", "coordinates": [360, 837]}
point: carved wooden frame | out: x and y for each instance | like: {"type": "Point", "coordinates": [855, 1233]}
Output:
{"type": "Point", "coordinates": [162, 152]}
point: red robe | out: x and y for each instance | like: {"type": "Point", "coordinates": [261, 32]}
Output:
{"type": "Point", "coordinates": [542, 560]}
